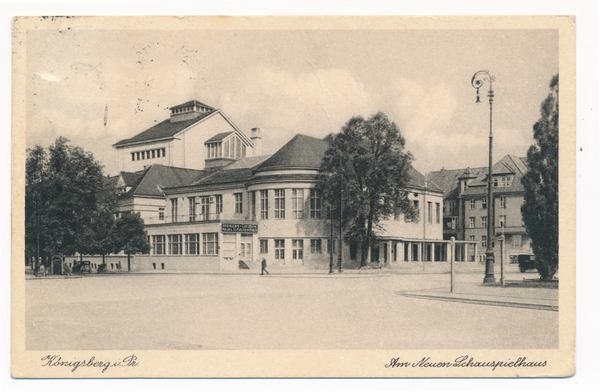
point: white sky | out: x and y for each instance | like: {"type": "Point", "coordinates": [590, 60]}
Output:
{"type": "Point", "coordinates": [290, 82]}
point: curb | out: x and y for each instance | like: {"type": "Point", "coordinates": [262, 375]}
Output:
{"type": "Point", "coordinates": [552, 308]}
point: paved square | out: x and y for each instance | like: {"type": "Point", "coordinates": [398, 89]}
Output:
{"type": "Point", "coordinates": [199, 311]}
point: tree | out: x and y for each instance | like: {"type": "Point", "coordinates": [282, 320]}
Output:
{"type": "Point", "coordinates": [129, 229]}
{"type": "Point", "coordinates": [540, 210]}
{"type": "Point", "coordinates": [367, 163]}
{"type": "Point", "coordinates": [63, 192]}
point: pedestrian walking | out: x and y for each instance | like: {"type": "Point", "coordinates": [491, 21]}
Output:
{"type": "Point", "coordinates": [263, 265]}
{"type": "Point", "coordinates": [43, 270]}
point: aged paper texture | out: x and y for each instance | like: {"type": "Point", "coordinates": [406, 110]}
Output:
{"type": "Point", "coordinates": [268, 90]}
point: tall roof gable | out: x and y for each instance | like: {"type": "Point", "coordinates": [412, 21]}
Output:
{"type": "Point", "coordinates": [163, 130]}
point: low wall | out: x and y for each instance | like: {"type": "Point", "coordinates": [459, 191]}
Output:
{"type": "Point", "coordinates": [202, 263]}
{"type": "Point", "coordinates": [113, 263]}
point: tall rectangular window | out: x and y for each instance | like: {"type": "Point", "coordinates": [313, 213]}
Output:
{"type": "Point", "coordinates": [279, 203]}
{"type": "Point", "coordinates": [253, 204]}
{"type": "Point", "coordinates": [192, 244]}
{"type": "Point", "coordinates": [226, 149]}
{"type": "Point", "coordinates": [484, 203]}
{"type": "Point", "coordinates": [174, 210]}
{"type": "Point", "coordinates": [264, 247]}
{"type": "Point", "coordinates": [502, 201]}
{"type": "Point", "coordinates": [315, 246]}
{"type": "Point", "coordinates": [472, 204]}
{"type": "Point", "coordinates": [205, 207]}
{"type": "Point", "coordinates": [219, 204]}
{"type": "Point", "coordinates": [502, 220]}
{"type": "Point", "coordinates": [174, 244]}
{"type": "Point", "coordinates": [484, 241]}
{"type": "Point", "coordinates": [298, 203]}
{"type": "Point", "coordinates": [246, 246]}
{"type": "Point", "coordinates": [192, 209]}
{"type": "Point", "coordinates": [437, 212]}
{"type": "Point", "coordinates": [133, 156]}
{"type": "Point", "coordinates": [279, 249]}
{"type": "Point", "coordinates": [315, 204]}
{"type": "Point", "coordinates": [429, 213]}
{"type": "Point", "coordinates": [158, 244]}
{"type": "Point", "coordinates": [472, 222]}
{"type": "Point", "coordinates": [210, 244]}
{"type": "Point", "coordinates": [264, 204]}
{"type": "Point", "coordinates": [163, 152]}
{"type": "Point", "coordinates": [484, 221]}
{"type": "Point", "coordinates": [239, 203]}
{"type": "Point", "coordinates": [297, 249]}
{"type": "Point", "coordinates": [161, 213]}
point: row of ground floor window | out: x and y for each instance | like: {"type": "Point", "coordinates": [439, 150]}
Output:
{"type": "Point", "coordinates": [231, 245]}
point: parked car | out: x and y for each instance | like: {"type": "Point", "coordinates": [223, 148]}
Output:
{"type": "Point", "coordinates": [526, 262]}
{"type": "Point", "coordinates": [82, 266]}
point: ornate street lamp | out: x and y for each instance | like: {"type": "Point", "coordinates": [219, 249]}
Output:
{"type": "Point", "coordinates": [477, 82]}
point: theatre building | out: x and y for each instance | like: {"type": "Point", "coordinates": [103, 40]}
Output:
{"type": "Point", "coordinates": [225, 206]}
{"type": "Point", "coordinates": [270, 207]}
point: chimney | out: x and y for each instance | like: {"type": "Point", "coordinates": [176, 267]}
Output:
{"type": "Point", "coordinates": [256, 138]}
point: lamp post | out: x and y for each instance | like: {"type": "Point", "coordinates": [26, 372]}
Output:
{"type": "Point", "coordinates": [477, 82]}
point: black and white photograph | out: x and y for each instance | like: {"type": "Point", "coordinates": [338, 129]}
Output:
{"type": "Point", "coordinates": [366, 196]}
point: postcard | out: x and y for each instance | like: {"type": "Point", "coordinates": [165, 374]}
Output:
{"type": "Point", "coordinates": [293, 197]}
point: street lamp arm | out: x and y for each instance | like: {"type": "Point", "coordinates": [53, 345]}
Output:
{"type": "Point", "coordinates": [479, 77]}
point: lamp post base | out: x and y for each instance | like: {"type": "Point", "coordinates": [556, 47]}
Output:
{"type": "Point", "coordinates": [489, 279]}
{"type": "Point", "coordinates": [489, 268]}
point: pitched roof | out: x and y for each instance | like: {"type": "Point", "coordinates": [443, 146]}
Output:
{"type": "Point", "coordinates": [151, 180]}
{"type": "Point", "coordinates": [418, 180]}
{"type": "Point", "coordinates": [219, 136]}
{"type": "Point", "coordinates": [238, 171]}
{"type": "Point", "coordinates": [163, 130]}
{"type": "Point", "coordinates": [508, 165]}
{"type": "Point", "coordinates": [190, 103]}
{"type": "Point", "coordinates": [226, 177]}
{"type": "Point", "coordinates": [302, 152]}
{"type": "Point", "coordinates": [447, 180]}
{"type": "Point", "coordinates": [130, 179]}
{"type": "Point", "coordinates": [247, 162]}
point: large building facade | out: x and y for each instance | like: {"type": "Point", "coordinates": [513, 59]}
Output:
{"type": "Point", "coordinates": [238, 208]}
{"type": "Point", "coordinates": [466, 204]}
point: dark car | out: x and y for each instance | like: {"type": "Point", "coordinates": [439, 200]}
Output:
{"type": "Point", "coordinates": [526, 262]}
{"type": "Point", "coordinates": [82, 266]}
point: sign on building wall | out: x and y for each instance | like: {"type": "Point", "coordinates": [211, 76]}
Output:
{"type": "Point", "coordinates": [239, 228]}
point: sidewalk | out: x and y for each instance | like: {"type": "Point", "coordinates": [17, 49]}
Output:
{"type": "Point", "coordinates": [517, 293]}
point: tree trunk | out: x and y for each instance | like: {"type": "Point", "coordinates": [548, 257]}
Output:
{"type": "Point", "coordinates": [369, 230]}
{"type": "Point", "coordinates": [128, 262]}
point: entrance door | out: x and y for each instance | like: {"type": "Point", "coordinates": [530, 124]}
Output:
{"type": "Point", "coordinates": [246, 247]}
{"type": "Point", "coordinates": [375, 254]}
{"type": "Point", "coordinates": [228, 250]}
